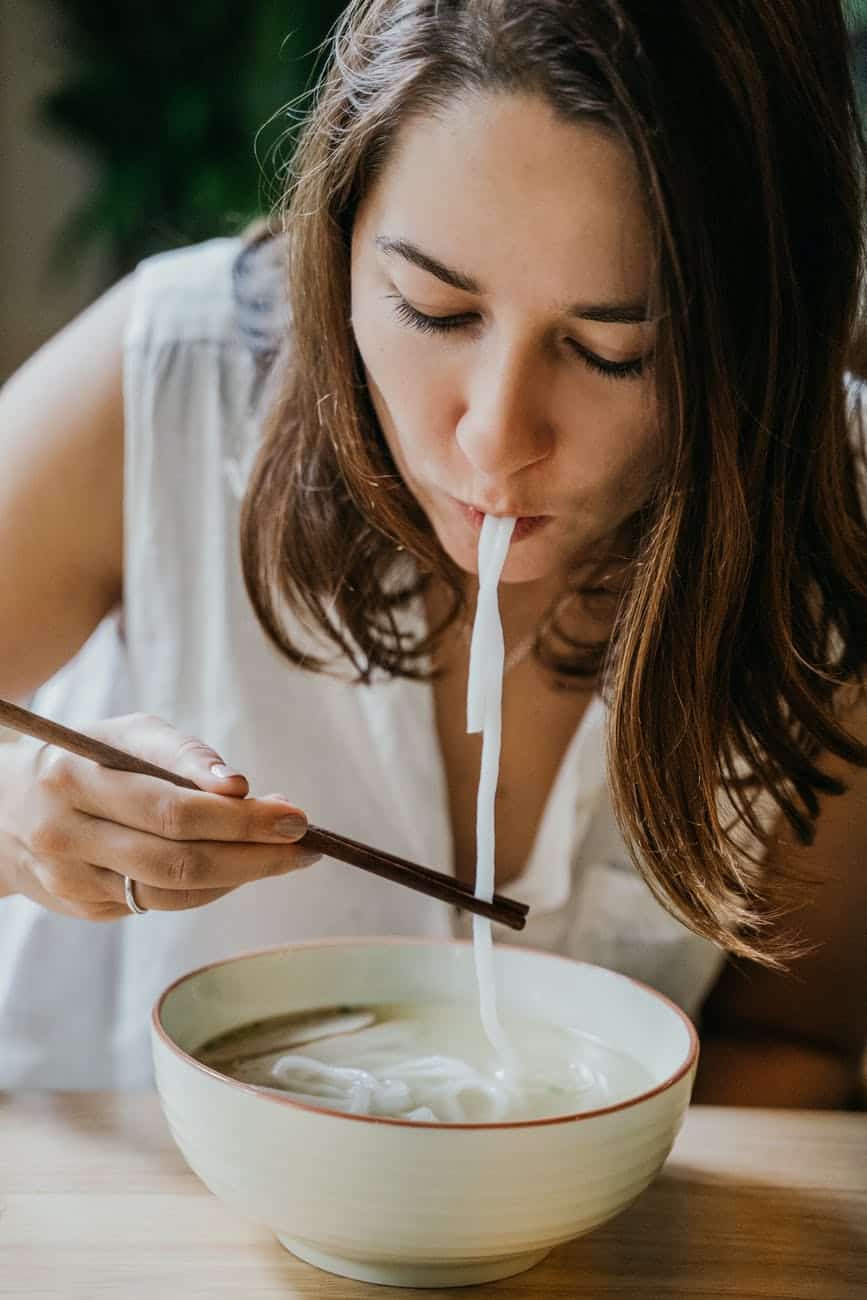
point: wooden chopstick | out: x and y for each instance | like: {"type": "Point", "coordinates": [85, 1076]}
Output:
{"type": "Point", "coordinates": [508, 911]}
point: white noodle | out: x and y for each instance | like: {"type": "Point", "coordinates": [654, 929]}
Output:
{"type": "Point", "coordinates": [449, 1089]}
{"type": "Point", "coordinates": [484, 713]}
{"type": "Point", "coordinates": [444, 1086]}
{"type": "Point", "coordinates": [428, 1086]}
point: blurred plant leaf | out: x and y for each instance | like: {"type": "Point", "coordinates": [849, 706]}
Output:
{"type": "Point", "coordinates": [177, 107]}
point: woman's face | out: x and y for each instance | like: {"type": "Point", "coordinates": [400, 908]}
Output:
{"type": "Point", "coordinates": [500, 274]}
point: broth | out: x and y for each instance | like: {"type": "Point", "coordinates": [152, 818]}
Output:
{"type": "Point", "coordinates": [430, 1062]}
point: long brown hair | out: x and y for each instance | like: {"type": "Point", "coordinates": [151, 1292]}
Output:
{"type": "Point", "coordinates": [743, 608]}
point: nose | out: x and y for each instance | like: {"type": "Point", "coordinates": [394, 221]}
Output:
{"type": "Point", "coordinates": [505, 426]}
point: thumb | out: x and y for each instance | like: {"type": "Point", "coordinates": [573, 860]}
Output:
{"type": "Point", "coordinates": [158, 742]}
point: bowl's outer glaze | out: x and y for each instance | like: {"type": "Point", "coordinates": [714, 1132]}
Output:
{"type": "Point", "coordinates": [394, 1200]}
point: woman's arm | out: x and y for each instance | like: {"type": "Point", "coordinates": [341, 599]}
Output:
{"type": "Point", "coordinates": [799, 1039]}
{"type": "Point", "coordinates": [61, 507]}
{"type": "Point", "coordinates": [61, 489]}
{"type": "Point", "coordinates": [61, 495]}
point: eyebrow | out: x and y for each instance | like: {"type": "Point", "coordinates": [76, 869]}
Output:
{"type": "Point", "coordinates": [607, 313]}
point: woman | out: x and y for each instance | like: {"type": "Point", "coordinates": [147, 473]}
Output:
{"type": "Point", "coordinates": [565, 261]}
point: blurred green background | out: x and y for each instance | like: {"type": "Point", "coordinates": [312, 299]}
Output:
{"type": "Point", "coordinates": [180, 109]}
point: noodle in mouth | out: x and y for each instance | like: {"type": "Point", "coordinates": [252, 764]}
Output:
{"type": "Point", "coordinates": [388, 1060]}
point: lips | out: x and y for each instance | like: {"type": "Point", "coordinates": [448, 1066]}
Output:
{"type": "Point", "coordinates": [524, 527]}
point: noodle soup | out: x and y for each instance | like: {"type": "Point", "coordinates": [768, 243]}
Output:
{"type": "Point", "coordinates": [413, 1203]}
{"type": "Point", "coordinates": [427, 1062]}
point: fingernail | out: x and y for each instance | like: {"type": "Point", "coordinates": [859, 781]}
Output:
{"type": "Point", "coordinates": [224, 773]}
{"type": "Point", "coordinates": [305, 859]}
{"type": "Point", "coordinates": [293, 826]}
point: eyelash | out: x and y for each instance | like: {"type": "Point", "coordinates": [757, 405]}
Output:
{"type": "Point", "coordinates": [446, 324]}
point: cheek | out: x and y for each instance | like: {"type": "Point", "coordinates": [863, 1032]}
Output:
{"type": "Point", "coordinates": [644, 445]}
{"type": "Point", "coordinates": [413, 396]}
{"type": "Point", "coordinates": [614, 454]}
{"type": "Point", "coordinates": [635, 459]}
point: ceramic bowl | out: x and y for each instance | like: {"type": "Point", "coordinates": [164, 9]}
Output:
{"type": "Point", "coordinates": [397, 1201]}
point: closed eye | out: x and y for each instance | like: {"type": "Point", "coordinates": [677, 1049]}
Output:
{"type": "Point", "coordinates": [419, 320]}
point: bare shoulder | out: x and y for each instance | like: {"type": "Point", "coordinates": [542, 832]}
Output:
{"type": "Point", "coordinates": [61, 492]}
{"type": "Point", "coordinates": [823, 999]}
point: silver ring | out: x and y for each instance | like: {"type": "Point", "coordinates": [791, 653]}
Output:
{"type": "Point", "coordinates": [130, 898]}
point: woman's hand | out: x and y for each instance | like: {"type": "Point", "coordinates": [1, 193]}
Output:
{"type": "Point", "coordinates": [71, 830]}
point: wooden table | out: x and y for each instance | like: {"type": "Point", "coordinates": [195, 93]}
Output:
{"type": "Point", "coordinates": [95, 1201]}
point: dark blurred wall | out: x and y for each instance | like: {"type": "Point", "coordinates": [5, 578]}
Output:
{"type": "Point", "coordinates": [41, 183]}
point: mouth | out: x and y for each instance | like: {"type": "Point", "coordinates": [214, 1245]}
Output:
{"type": "Point", "coordinates": [525, 526]}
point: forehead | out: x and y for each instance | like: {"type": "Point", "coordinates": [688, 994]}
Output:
{"type": "Point", "coordinates": [501, 187]}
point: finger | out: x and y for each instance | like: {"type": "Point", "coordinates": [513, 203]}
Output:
{"type": "Point", "coordinates": [159, 742]}
{"type": "Point", "coordinates": [182, 864]}
{"type": "Point", "coordinates": [148, 804]}
{"type": "Point", "coordinates": [99, 912]}
{"type": "Point", "coordinates": [31, 880]}
{"type": "Point", "coordinates": [157, 900]}
{"type": "Point", "coordinates": [90, 892]}
{"type": "Point", "coordinates": [156, 741]}
{"type": "Point", "coordinates": [70, 889]}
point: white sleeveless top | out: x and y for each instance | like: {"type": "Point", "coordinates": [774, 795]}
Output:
{"type": "Point", "coordinates": [75, 996]}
